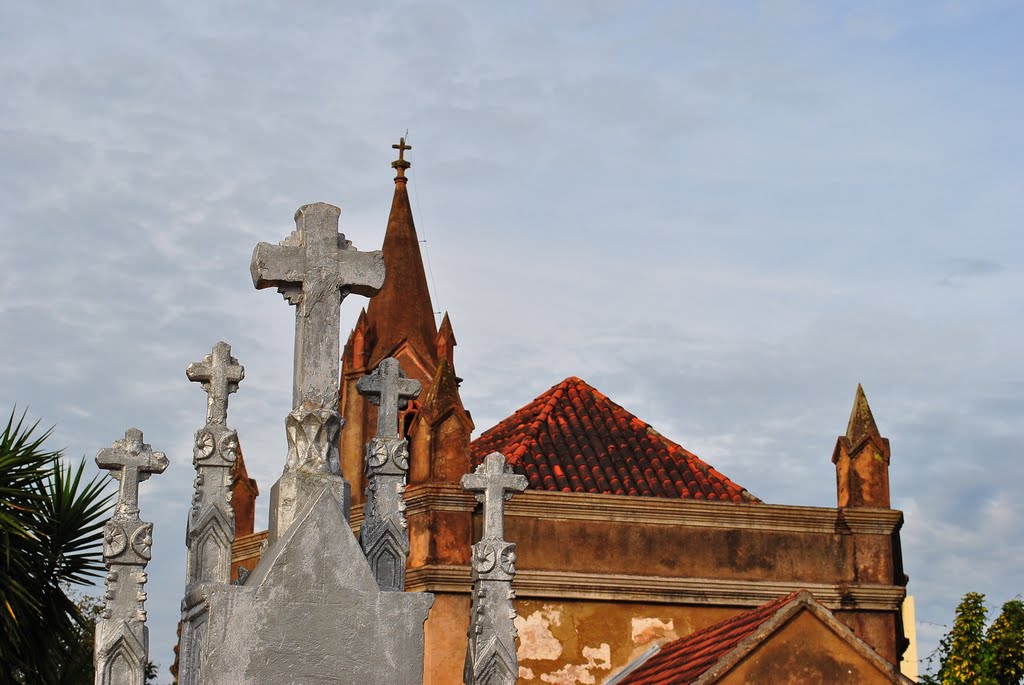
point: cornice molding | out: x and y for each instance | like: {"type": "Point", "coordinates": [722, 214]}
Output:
{"type": "Point", "coordinates": [658, 589]}
{"type": "Point", "coordinates": [662, 511]}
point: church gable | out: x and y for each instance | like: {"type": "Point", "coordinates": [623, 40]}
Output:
{"type": "Point", "coordinates": [572, 438]}
{"type": "Point", "coordinates": [793, 639]}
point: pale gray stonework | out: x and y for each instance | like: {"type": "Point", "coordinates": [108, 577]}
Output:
{"type": "Point", "coordinates": [491, 653]}
{"type": "Point", "coordinates": [311, 614]}
{"type": "Point", "coordinates": [384, 535]}
{"type": "Point", "coordinates": [122, 639]}
{"type": "Point", "coordinates": [211, 523]}
{"type": "Point", "coordinates": [314, 268]}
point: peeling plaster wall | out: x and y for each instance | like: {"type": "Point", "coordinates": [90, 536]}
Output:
{"type": "Point", "coordinates": [584, 642]}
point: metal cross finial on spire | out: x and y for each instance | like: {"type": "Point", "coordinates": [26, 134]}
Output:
{"type": "Point", "coordinates": [401, 164]}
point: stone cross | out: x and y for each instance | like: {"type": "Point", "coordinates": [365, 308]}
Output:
{"type": "Point", "coordinates": [314, 268]}
{"type": "Point", "coordinates": [493, 483]}
{"type": "Point", "coordinates": [388, 388]}
{"type": "Point", "coordinates": [122, 639]}
{"type": "Point", "coordinates": [220, 374]}
{"type": "Point", "coordinates": [131, 461]}
{"type": "Point", "coordinates": [384, 536]}
{"type": "Point", "coordinates": [491, 650]}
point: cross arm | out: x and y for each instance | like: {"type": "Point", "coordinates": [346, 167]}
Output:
{"type": "Point", "coordinates": [276, 266]}
{"type": "Point", "coordinates": [361, 273]}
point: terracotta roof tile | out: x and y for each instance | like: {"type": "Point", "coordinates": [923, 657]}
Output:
{"type": "Point", "coordinates": [682, 661]}
{"type": "Point", "coordinates": [572, 438]}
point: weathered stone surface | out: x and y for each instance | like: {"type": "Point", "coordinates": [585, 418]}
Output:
{"type": "Point", "coordinates": [491, 652]}
{"type": "Point", "coordinates": [122, 639]}
{"type": "Point", "coordinates": [220, 374]}
{"type": "Point", "coordinates": [314, 268]}
{"type": "Point", "coordinates": [311, 613]}
{"type": "Point", "coordinates": [211, 523]}
{"type": "Point", "coordinates": [312, 465]}
{"type": "Point", "coordinates": [384, 535]}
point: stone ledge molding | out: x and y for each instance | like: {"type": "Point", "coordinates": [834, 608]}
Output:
{"type": "Point", "coordinates": [660, 511]}
{"type": "Point", "coordinates": [530, 584]}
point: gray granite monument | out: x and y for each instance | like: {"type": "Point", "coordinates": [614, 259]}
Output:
{"type": "Point", "coordinates": [311, 612]}
{"type": "Point", "coordinates": [491, 654]}
{"type": "Point", "coordinates": [384, 534]}
{"type": "Point", "coordinates": [211, 522]}
{"type": "Point", "coordinates": [122, 638]}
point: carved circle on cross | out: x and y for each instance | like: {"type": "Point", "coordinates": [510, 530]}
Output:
{"type": "Point", "coordinates": [115, 540]}
{"type": "Point", "coordinates": [484, 558]}
{"type": "Point", "coordinates": [204, 445]}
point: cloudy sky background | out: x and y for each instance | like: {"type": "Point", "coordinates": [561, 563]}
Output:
{"type": "Point", "coordinates": [722, 215]}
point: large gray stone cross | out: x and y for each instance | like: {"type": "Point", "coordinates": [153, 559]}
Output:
{"type": "Point", "coordinates": [314, 268]}
{"type": "Point", "coordinates": [220, 374]}
{"type": "Point", "coordinates": [494, 482]}
{"type": "Point", "coordinates": [131, 461]}
{"type": "Point", "coordinates": [389, 389]}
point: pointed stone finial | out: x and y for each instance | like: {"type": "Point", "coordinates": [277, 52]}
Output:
{"type": "Point", "coordinates": [446, 341]}
{"type": "Point", "coordinates": [220, 374]}
{"type": "Point", "coordinates": [122, 638]}
{"type": "Point", "coordinates": [862, 423]}
{"type": "Point", "coordinates": [862, 459]}
{"type": "Point", "coordinates": [384, 536]}
{"type": "Point", "coordinates": [401, 164]}
{"type": "Point", "coordinates": [491, 653]}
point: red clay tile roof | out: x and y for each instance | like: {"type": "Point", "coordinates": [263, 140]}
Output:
{"type": "Point", "coordinates": [572, 438]}
{"type": "Point", "coordinates": [682, 661]}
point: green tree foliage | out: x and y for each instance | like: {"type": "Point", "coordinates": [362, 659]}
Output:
{"type": "Point", "coordinates": [51, 529]}
{"type": "Point", "coordinates": [970, 654]}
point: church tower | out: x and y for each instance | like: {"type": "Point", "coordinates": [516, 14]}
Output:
{"type": "Point", "coordinates": [399, 323]}
{"type": "Point", "coordinates": [862, 460]}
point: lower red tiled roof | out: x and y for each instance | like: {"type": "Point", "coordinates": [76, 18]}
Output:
{"type": "Point", "coordinates": [682, 661]}
{"type": "Point", "coordinates": [572, 438]}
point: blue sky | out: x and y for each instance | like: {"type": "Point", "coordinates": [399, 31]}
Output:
{"type": "Point", "coordinates": [722, 215]}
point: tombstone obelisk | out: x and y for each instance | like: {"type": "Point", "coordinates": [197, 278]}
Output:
{"type": "Point", "coordinates": [384, 535]}
{"type": "Point", "coordinates": [122, 638]}
{"type": "Point", "coordinates": [491, 654]}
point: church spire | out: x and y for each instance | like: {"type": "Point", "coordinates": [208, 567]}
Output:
{"type": "Point", "coordinates": [402, 312]}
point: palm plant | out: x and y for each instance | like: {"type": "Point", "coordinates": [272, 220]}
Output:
{"type": "Point", "coordinates": [51, 528]}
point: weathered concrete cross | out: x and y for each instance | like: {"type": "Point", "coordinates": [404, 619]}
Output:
{"type": "Point", "coordinates": [314, 268]}
{"type": "Point", "coordinates": [493, 482]}
{"type": "Point", "coordinates": [131, 461]}
{"type": "Point", "coordinates": [220, 374]}
{"type": "Point", "coordinates": [389, 389]}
